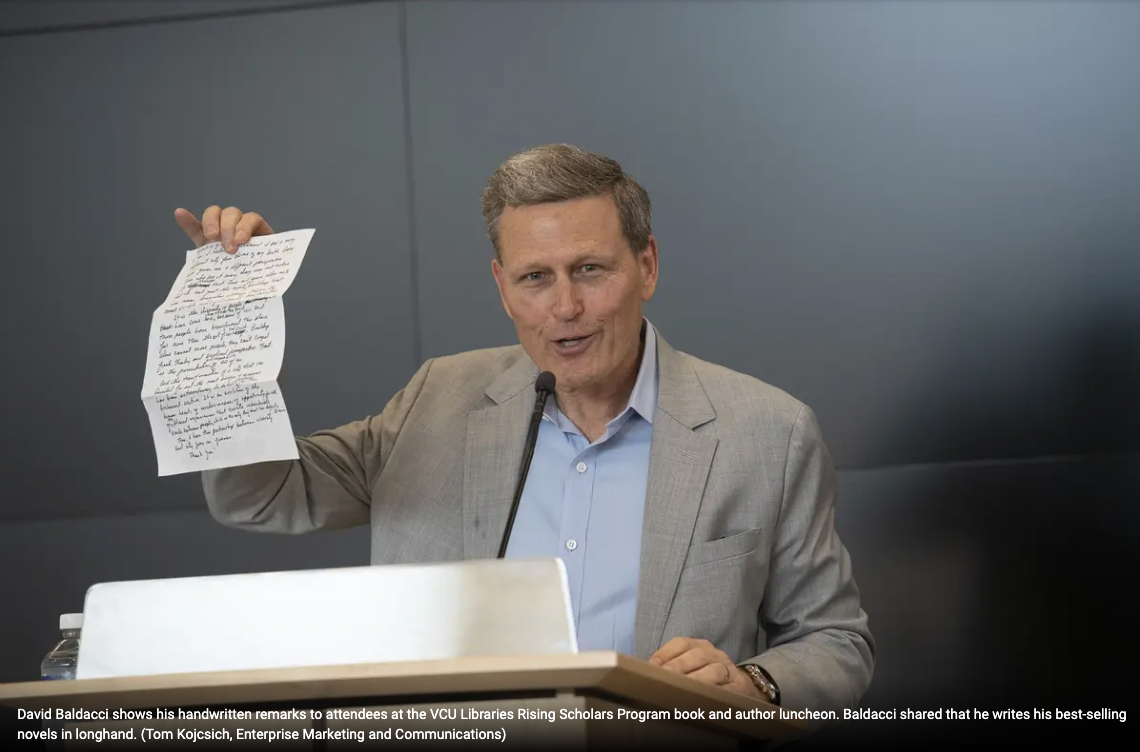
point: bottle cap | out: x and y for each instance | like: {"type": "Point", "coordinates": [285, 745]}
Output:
{"type": "Point", "coordinates": [71, 621]}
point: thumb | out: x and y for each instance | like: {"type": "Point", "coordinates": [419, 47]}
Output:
{"type": "Point", "coordinates": [190, 225]}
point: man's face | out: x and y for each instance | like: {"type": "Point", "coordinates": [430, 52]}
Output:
{"type": "Point", "coordinates": [574, 288]}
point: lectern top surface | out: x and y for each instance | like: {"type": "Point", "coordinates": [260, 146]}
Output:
{"type": "Point", "coordinates": [607, 674]}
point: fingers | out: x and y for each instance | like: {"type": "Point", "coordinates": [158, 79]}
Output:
{"type": "Point", "coordinates": [715, 673]}
{"type": "Point", "coordinates": [191, 226]}
{"type": "Point", "coordinates": [230, 217]}
{"type": "Point", "coordinates": [698, 659]}
{"type": "Point", "coordinates": [212, 224]}
{"type": "Point", "coordinates": [706, 666]}
{"type": "Point", "coordinates": [671, 650]}
{"type": "Point", "coordinates": [230, 226]}
{"type": "Point", "coordinates": [690, 661]}
{"type": "Point", "coordinates": [251, 225]}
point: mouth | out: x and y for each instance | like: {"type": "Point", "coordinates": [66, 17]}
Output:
{"type": "Point", "coordinates": [572, 345]}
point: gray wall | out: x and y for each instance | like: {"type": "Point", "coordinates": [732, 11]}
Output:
{"type": "Point", "coordinates": [920, 218]}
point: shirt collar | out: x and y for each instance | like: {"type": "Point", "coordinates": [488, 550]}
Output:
{"type": "Point", "coordinates": [643, 398]}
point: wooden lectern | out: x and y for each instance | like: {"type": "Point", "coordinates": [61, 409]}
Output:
{"type": "Point", "coordinates": [587, 700]}
{"type": "Point", "coordinates": [450, 653]}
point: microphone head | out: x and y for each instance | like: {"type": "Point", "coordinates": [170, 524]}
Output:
{"type": "Point", "coordinates": [544, 382]}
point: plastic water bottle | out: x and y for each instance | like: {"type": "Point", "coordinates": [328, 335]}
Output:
{"type": "Point", "coordinates": [61, 660]}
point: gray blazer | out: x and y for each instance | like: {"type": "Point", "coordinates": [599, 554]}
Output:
{"type": "Point", "coordinates": [738, 545]}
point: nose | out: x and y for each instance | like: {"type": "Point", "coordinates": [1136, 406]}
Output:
{"type": "Point", "coordinates": [567, 302]}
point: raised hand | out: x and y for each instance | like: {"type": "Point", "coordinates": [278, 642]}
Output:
{"type": "Point", "coordinates": [231, 225]}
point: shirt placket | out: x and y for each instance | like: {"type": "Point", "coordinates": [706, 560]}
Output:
{"type": "Point", "coordinates": [576, 501]}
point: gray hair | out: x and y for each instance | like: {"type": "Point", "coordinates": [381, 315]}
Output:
{"type": "Point", "coordinates": [561, 172]}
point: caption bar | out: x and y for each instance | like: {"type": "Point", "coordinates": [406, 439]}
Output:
{"type": "Point", "coordinates": [443, 723]}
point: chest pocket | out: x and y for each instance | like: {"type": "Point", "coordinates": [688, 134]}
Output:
{"type": "Point", "coordinates": [723, 548]}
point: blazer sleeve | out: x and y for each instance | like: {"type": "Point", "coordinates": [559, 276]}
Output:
{"type": "Point", "coordinates": [819, 649]}
{"type": "Point", "coordinates": [327, 488]}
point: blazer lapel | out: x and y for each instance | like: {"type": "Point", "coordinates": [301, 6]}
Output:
{"type": "Point", "coordinates": [496, 435]}
{"type": "Point", "coordinates": [679, 463]}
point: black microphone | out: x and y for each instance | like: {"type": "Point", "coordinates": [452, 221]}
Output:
{"type": "Point", "coordinates": [543, 387]}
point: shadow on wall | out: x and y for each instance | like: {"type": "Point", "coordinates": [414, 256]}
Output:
{"type": "Point", "coordinates": [1006, 584]}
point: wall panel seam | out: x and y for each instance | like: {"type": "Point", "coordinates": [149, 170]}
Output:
{"type": "Point", "coordinates": [120, 23]}
{"type": "Point", "coordinates": [410, 189]}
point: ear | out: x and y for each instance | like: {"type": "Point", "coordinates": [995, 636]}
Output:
{"type": "Point", "coordinates": [498, 273]}
{"type": "Point", "coordinates": [647, 261]}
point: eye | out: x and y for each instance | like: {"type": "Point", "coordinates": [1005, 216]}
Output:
{"type": "Point", "coordinates": [532, 277]}
{"type": "Point", "coordinates": [590, 268]}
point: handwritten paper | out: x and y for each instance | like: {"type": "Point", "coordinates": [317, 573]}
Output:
{"type": "Point", "coordinates": [216, 347]}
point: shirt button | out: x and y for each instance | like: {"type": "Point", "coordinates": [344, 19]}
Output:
{"type": "Point", "coordinates": [571, 544]}
{"type": "Point", "coordinates": [581, 467]}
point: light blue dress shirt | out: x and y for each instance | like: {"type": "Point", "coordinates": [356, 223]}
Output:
{"type": "Point", "coordinates": [583, 503]}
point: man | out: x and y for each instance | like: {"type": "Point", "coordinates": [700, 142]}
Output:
{"type": "Point", "coordinates": [693, 505]}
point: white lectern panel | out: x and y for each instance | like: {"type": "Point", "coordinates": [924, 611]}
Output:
{"type": "Point", "coordinates": [370, 614]}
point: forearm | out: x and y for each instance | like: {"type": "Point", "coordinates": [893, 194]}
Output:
{"type": "Point", "coordinates": [312, 493]}
{"type": "Point", "coordinates": [819, 649]}
{"type": "Point", "coordinates": [328, 487]}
